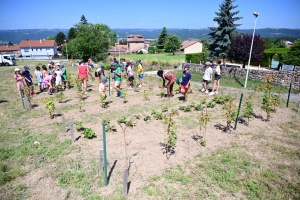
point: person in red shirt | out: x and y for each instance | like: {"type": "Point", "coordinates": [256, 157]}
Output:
{"type": "Point", "coordinates": [83, 72]}
{"type": "Point", "coordinates": [171, 80]}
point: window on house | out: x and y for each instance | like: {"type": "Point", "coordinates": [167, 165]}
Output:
{"type": "Point", "coordinates": [26, 50]}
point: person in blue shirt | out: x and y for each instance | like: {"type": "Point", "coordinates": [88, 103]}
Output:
{"type": "Point", "coordinates": [28, 79]}
{"type": "Point", "coordinates": [185, 82]}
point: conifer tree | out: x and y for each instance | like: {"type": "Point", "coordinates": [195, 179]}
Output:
{"type": "Point", "coordinates": [162, 38]}
{"type": "Point", "coordinates": [221, 36]}
{"type": "Point", "coordinates": [83, 20]}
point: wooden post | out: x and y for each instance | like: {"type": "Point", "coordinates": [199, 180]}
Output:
{"type": "Point", "coordinates": [104, 152]}
{"type": "Point", "coordinates": [125, 182]}
{"type": "Point", "coordinates": [64, 129]}
{"type": "Point", "coordinates": [237, 116]}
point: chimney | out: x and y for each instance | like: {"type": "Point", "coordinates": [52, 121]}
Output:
{"type": "Point", "coordinates": [41, 41]}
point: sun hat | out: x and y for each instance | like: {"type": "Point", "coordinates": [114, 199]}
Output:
{"type": "Point", "coordinates": [186, 66]}
{"type": "Point", "coordinates": [17, 69]}
{"type": "Point", "coordinates": [58, 64]}
{"type": "Point", "coordinates": [207, 63]}
{"type": "Point", "coordinates": [26, 67]}
{"type": "Point", "coordinates": [104, 79]}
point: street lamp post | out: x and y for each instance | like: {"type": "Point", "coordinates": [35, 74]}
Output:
{"type": "Point", "coordinates": [66, 48]}
{"type": "Point", "coordinates": [256, 15]}
{"type": "Point", "coordinates": [119, 46]}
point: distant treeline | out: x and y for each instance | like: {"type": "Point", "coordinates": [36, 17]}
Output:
{"type": "Point", "coordinates": [16, 36]}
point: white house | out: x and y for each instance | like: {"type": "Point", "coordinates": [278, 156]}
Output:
{"type": "Point", "coordinates": [38, 49]}
{"type": "Point", "coordinates": [191, 46]}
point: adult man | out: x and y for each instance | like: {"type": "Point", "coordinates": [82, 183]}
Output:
{"type": "Point", "coordinates": [207, 77]}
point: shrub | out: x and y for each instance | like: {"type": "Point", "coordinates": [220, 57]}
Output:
{"type": "Point", "coordinates": [140, 52]}
{"type": "Point", "coordinates": [150, 51]}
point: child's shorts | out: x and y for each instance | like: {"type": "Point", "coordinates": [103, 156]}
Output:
{"type": "Point", "coordinates": [185, 88]}
{"type": "Point", "coordinates": [117, 83]}
{"type": "Point", "coordinates": [40, 83]}
{"type": "Point", "coordinates": [141, 75]}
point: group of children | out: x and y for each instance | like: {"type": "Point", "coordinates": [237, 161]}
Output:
{"type": "Point", "coordinates": [47, 79]}
{"type": "Point", "coordinates": [184, 82]}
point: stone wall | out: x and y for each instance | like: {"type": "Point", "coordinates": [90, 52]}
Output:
{"type": "Point", "coordinates": [282, 77]}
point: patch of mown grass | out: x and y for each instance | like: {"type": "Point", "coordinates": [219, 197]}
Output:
{"type": "Point", "coordinates": [79, 175]}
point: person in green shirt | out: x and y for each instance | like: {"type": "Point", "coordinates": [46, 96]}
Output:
{"type": "Point", "coordinates": [63, 75]}
{"type": "Point", "coordinates": [118, 80]}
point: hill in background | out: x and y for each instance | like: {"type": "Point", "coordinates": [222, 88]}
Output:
{"type": "Point", "coordinates": [16, 36]}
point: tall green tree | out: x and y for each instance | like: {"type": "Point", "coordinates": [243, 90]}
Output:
{"type": "Point", "coordinates": [71, 34]}
{"type": "Point", "coordinates": [83, 20]}
{"type": "Point", "coordinates": [221, 36]}
{"type": "Point", "coordinates": [293, 54]}
{"type": "Point", "coordinates": [240, 49]}
{"type": "Point", "coordinates": [172, 43]}
{"type": "Point", "coordinates": [162, 38]}
{"type": "Point", "coordinates": [92, 41]}
{"type": "Point", "coordinates": [59, 38]}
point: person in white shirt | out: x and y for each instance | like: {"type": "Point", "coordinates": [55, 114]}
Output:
{"type": "Point", "coordinates": [58, 76]}
{"type": "Point", "coordinates": [217, 73]}
{"type": "Point", "coordinates": [207, 77]}
{"type": "Point", "coordinates": [130, 75]}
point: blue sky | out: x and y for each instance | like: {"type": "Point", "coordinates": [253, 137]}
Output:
{"type": "Point", "coordinates": [192, 14]}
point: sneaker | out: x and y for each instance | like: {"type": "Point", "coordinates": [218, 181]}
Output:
{"type": "Point", "coordinates": [85, 93]}
{"type": "Point", "coordinates": [206, 91]}
{"type": "Point", "coordinates": [211, 93]}
{"type": "Point", "coordinates": [216, 92]}
{"type": "Point", "coordinates": [121, 95]}
{"type": "Point", "coordinates": [49, 93]}
{"type": "Point", "coordinates": [129, 87]}
{"type": "Point", "coordinates": [203, 90]}
{"type": "Point", "coordinates": [184, 100]}
{"type": "Point", "coordinates": [140, 85]}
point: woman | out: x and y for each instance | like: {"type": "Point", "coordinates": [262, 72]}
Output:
{"type": "Point", "coordinates": [217, 73]}
{"type": "Point", "coordinates": [83, 72]}
{"type": "Point", "coordinates": [171, 79]}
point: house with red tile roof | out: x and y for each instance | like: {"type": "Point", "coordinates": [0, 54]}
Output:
{"type": "Point", "coordinates": [115, 50]}
{"type": "Point", "coordinates": [38, 49]}
{"type": "Point", "coordinates": [136, 43]}
{"type": "Point", "coordinates": [14, 49]}
{"type": "Point", "coordinates": [191, 46]}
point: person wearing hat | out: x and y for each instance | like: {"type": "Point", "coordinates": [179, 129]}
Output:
{"type": "Point", "coordinates": [19, 80]}
{"type": "Point", "coordinates": [83, 72]}
{"type": "Point", "coordinates": [28, 80]}
{"type": "Point", "coordinates": [102, 88]}
{"type": "Point", "coordinates": [171, 80]}
{"type": "Point", "coordinates": [207, 77]}
{"type": "Point", "coordinates": [185, 81]}
{"type": "Point", "coordinates": [140, 72]}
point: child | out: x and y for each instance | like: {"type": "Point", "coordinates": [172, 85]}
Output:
{"type": "Point", "coordinates": [98, 75]}
{"type": "Point", "coordinates": [28, 79]}
{"type": "Point", "coordinates": [185, 82]}
{"type": "Point", "coordinates": [207, 77]}
{"type": "Point", "coordinates": [49, 82]}
{"type": "Point", "coordinates": [19, 80]}
{"type": "Point", "coordinates": [102, 69]}
{"type": "Point", "coordinates": [83, 72]}
{"type": "Point", "coordinates": [217, 73]}
{"type": "Point", "coordinates": [102, 88]}
{"type": "Point", "coordinates": [39, 78]}
{"type": "Point", "coordinates": [58, 75]}
{"type": "Point", "coordinates": [130, 74]}
{"type": "Point", "coordinates": [118, 80]}
{"type": "Point", "coordinates": [64, 76]}
{"type": "Point", "coordinates": [171, 79]}
{"type": "Point", "coordinates": [140, 72]}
